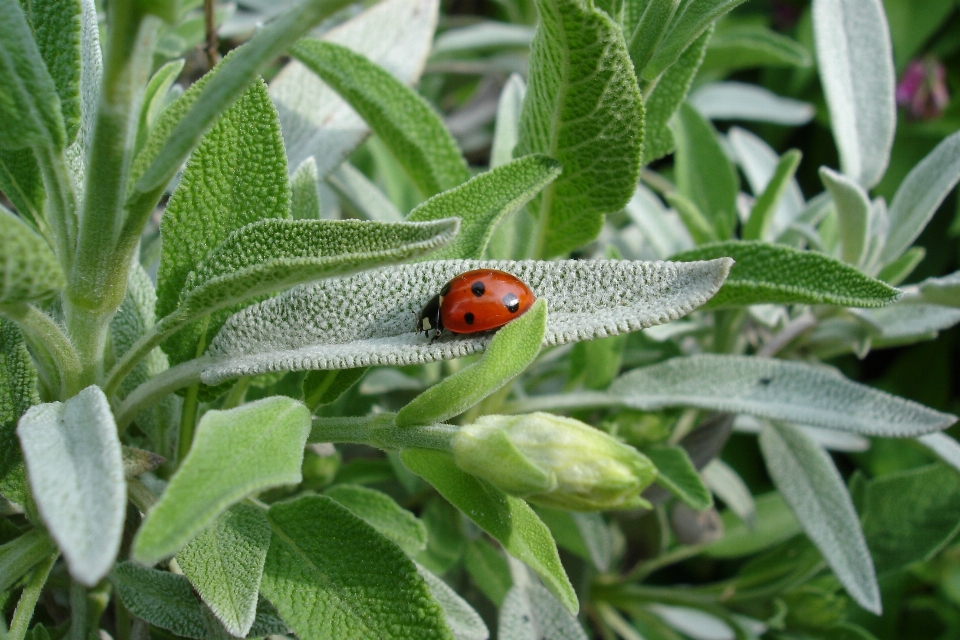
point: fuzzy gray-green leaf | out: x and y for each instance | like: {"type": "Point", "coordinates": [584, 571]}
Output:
{"type": "Point", "coordinates": [331, 575]}
{"type": "Point", "coordinates": [484, 201]}
{"type": "Point", "coordinates": [21, 182]}
{"type": "Point", "coordinates": [237, 175]}
{"type": "Point", "coordinates": [235, 453]}
{"type": "Point", "coordinates": [224, 564]}
{"type": "Point", "coordinates": [582, 108]}
{"type": "Point", "coordinates": [367, 319]}
{"type": "Point", "coordinates": [773, 273]}
{"type": "Point", "coordinates": [690, 21]}
{"type": "Point", "coordinates": [29, 104]}
{"type": "Point", "coordinates": [510, 351]}
{"type": "Point", "coordinates": [382, 513]}
{"type": "Point", "coordinates": [778, 390]}
{"type": "Point", "coordinates": [29, 270]}
{"type": "Point", "coordinates": [409, 127]}
{"type": "Point", "coordinates": [753, 46]}
{"type": "Point", "coordinates": [18, 392]}
{"type": "Point", "coordinates": [305, 191]}
{"type": "Point", "coordinates": [853, 211]}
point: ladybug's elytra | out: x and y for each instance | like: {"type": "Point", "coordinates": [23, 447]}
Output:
{"type": "Point", "coordinates": [475, 301]}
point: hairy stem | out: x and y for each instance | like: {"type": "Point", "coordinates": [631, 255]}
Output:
{"type": "Point", "coordinates": [58, 361]}
{"type": "Point", "coordinates": [61, 204]}
{"type": "Point", "coordinates": [28, 599]}
{"type": "Point", "coordinates": [188, 421]}
{"type": "Point", "coordinates": [380, 431]}
{"type": "Point", "coordinates": [78, 611]}
{"type": "Point", "coordinates": [153, 390]}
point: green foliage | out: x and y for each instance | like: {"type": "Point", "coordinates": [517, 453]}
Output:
{"type": "Point", "coordinates": [676, 473]}
{"type": "Point", "coordinates": [691, 20]}
{"type": "Point", "coordinates": [402, 119]}
{"type": "Point", "coordinates": [761, 216]}
{"type": "Point", "coordinates": [583, 109]}
{"type": "Point", "coordinates": [382, 513]}
{"type": "Point", "coordinates": [304, 192]}
{"type": "Point", "coordinates": [29, 272]}
{"type": "Point", "coordinates": [18, 392]}
{"type": "Point", "coordinates": [234, 454]}
{"type": "Point", "coordinates": [774, 523]}
{"type": "Point", "coordinates": [321, 551]}
{"type": "Point", "coordinates": [753, 46]}
{"type": "Point", "coordinates": [765, 273]}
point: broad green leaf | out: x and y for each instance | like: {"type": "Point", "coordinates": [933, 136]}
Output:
{"type": "Point", "coordinates": [403, 120]}
{"type": "Point", "coordinates": [743, 101]}
{"type": "Point", "coordinates": [510, 351]}
{"type": "Point", "coordinates": [155, 97]}
{"type": "Point", "coordinates": [772, 273]}
{"type": "Point", "coordinates": [667, 96]}
{"type": "Point", "coordinates": [946, 448]}
{"type": "Point", "coordinates": [29, 271]}
{"type": "Point", "coordinates": [761, 217]}
{"type": "Point", "coordinates": [691, 20]}
{"type": "Point", "coordinates": [331, 575]}
{"type": "Point", "coordinates": [394, 34]}
{"type": "Point", "coordinates": [486, 200]}
{"type": "Point", "coordinates": [509, 520]}
{"type": "Point", "coordinates": [508, 121]}
{"type": "Point", "coordinates": [366, 197]}
{"type": "Point", "coordinates": [76, 475]}
{"type": "Point", "coordinates": [853, 212]}
{"type": "Point", "coordinates": [776, 390]}
{"type": "Point", "coordinates": [676, 474]}
{"type": "Point", "coordinates": [753, 46]}
{"type": "Point", "coordinates": [275, 254]}
{"type": "Point", "coordinates": [446, 539]}
{"type": "Point", "coordinates": [649, 31]}
{"type": "Point", "coordinates": [583, 108]}
{"type": "Point", "coordinates": [530, 611]}
{"type": "Point", "coordinates": [305, 191]}
{"type": "Point", "coordinates": [920, 194]}
{"type": "Point", "coordinates": [586, 535]}
{"type": "Point", "coordinates": [237, 175]}
{"type": "Point", "coordinates": [170, 144]}
{"type": "Point", "coordinates": [773, 524]}
{"type": "Point", "coordinates": [855, 62]}
{"type": "Point", "coordinates": [597, 362]}
{"type": "Point", "coordinates": [367, 319]}
{"type": "Point", "coordinates": [703, 173]}
{"type": "Point", "coordinates": [382, 513]}
{"type": "Point", "coordinates": [29, 104]}
{"type": "Point", "coordinates": [810, 483]}
{"type": "Point", "coordinates": [464, 622]}
{"type": "Point", "coordinates": [21, 182]}
{"type": "Point", "coordinates": [324, 387]}
{"type": "Point", "coordinates": [21, 554]}
{"type": "Point", "coordinates": [18, 392]}
{"type": "Point", "coordinates": [488, 569]}
{"type": "Point", "coordinates": [224, 564]}
{"type": "Point", "coordinates": [903, 531]}
{"type": "Point", "coordinates": [234, 454]}
{"type": "Point", "coordinates": [56, 30]}
{"type": "Point", "coordinates": [697, 224]}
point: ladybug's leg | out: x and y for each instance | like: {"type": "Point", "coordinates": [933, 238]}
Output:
{"type": "Point", "coordinates": [436, 335]}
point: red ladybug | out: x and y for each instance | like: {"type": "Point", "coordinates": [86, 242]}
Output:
{"type": "Point", "coordinates": [475, 301]}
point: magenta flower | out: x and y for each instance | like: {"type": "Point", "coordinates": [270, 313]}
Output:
{"type": "Point", "coordinates": [923, 88]}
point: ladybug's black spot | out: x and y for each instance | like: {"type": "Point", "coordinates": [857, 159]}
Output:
{"type": "Point", "coordinates": [468, 317]}
{"type": "Point", "coordinates": [445, 290]}
{"type": "Point", "coordinates": [478, 288]}
{"type": "Point", "coordinates": [511, 302]}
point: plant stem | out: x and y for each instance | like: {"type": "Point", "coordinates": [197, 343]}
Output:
{"type": "Point", "coordinates": [78, 611]}
{"type": "Point", "coordinates": [210, 22]}
{"type": "Point", "coordinates": [380, 431]}
{"type": "Point", "coordinates": [188, 421]}
{"type": "Point", "coordinates": [793, 330]}
{"type": "Point", "coordinates": [61, 205]}
{"type": "Point", "coordinates": [563, 402]}
{"type": "Point", "coordinates": [139, 350]}
{"type": "Point", "coordinates": [140, 495]}
{"type": "Point", "coordinates": [21, 554]}
{"type": "Point", "coordinates": [28, 599]}
{"type": "Point", "coordinates": [237, 393]}
{"type": "Point", "coordinates": [154, 389]}
{"type": "Point", "coordinates": [88, 332]}
{"type": "Point", "coordinates": [58, 360]}
{"type": "Point", "coordinates": [642, 569]}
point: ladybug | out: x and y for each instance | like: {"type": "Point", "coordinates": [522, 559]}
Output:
{"type": "Point", "coordinates": [475, 301]}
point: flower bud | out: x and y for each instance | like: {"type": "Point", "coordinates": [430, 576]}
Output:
{"type": "Point", "coordinates": [554, 461]}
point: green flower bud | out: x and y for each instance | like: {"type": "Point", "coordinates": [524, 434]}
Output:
{"type": "Point", "coordinates": [554, 461]}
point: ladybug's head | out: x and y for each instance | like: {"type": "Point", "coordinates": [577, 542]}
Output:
{"type": "Point", "coordinates": [429, 317]}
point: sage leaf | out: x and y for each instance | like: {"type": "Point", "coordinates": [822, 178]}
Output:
{"type": "Point", "coordinates": [487, 34]}
{"type": "Point", "coordinates": [696, 223]}
{"type": "Point", "coordinates": [907, 321]}
{"type": "Point", "coordinates": [776, 390]}
{"type": "Point", "coordinates": [21, 554]}
{"type": "Point", "coordinates": [359, 584]}
{"type": "Point", "coordinates": [773, 523]}
{"type": "Point", "coordinates": [743, 101]}
{"type": "Point", "coordinates": [305, 191]}
{"type": "Point", "coordinates": [901, 532]}
{"type": "Point", "coordinates": [75, 469]}
{"type": "Point", "coordinates": [944, 446]}
{"type": "Point", "coordinates": [855, 61]}
{"type": "Point", "coordinates": [944, 291]}
{"type": "Point", "coordinates": [648, 31]}
{"type": "Point", "coordinates": [403, 120]}
{"type": "Point", "coordinates": [224, 563]}
{"type": "Point", "coordinates": [661, 228]}
{"type": "Point", "coordinates": [530, 611]}
{"type": "Point", "coordinates": [382, 513]}
{"type": "Point", "coordinates": [920, 194]}
{"type": "Point", "coordinates": [771, 273]}
{"type": "Point", "coordinates": [760, 222]}
{"type": "Point", "coordinates": [723, 481]}
{"type": "Point", "coordinates": [155, 97]}
{"type": "Point", "coordinates": [583, 108]}
{"type": "Point", "coordinates": [21, 182]}
{"type": "Point", "coordinates": [18, 392]}
{"type": "Point", "coordinates": [509, 520]}
{"type": "Point", "coordinates": [237, 175]}
{"type": "Point", "coordinates": [367, 319]}
{"type": "Point", "coordinates": [30, 107]}
{"type": "Point", "coordinates": [235, 453]}
{"type": "Point", "coordinates": [464, 622]}
{"type": "Point", "coordinates": [355, 188]}
{"type": "Point", "coordinates": [506, 132]}
{"type": "Point", "coordinates": [853, 211]}
{"type": "Point", "coordinates": [749, 46]}
{"type": "Point", "coordinates": [511, 350]}
{"type": "Point", "coordinates": [394, 34]}
{"type": "Point", "coordinates": [484, 201]}
{"type": "Point", "coordinates": [667, 96]}
{"type": "Point", "coordinates": [29, 270]}
{"type": "Point", "coordinates": [810, 483]}
{"type": "Point", "coordinates": [488, 568]}
{"type": "Point", "coordinates": [676, 474]}
{"type": "Point", "coordinates": [691, 20]}
{"type": "Point", "coordinates": [704, 175]}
